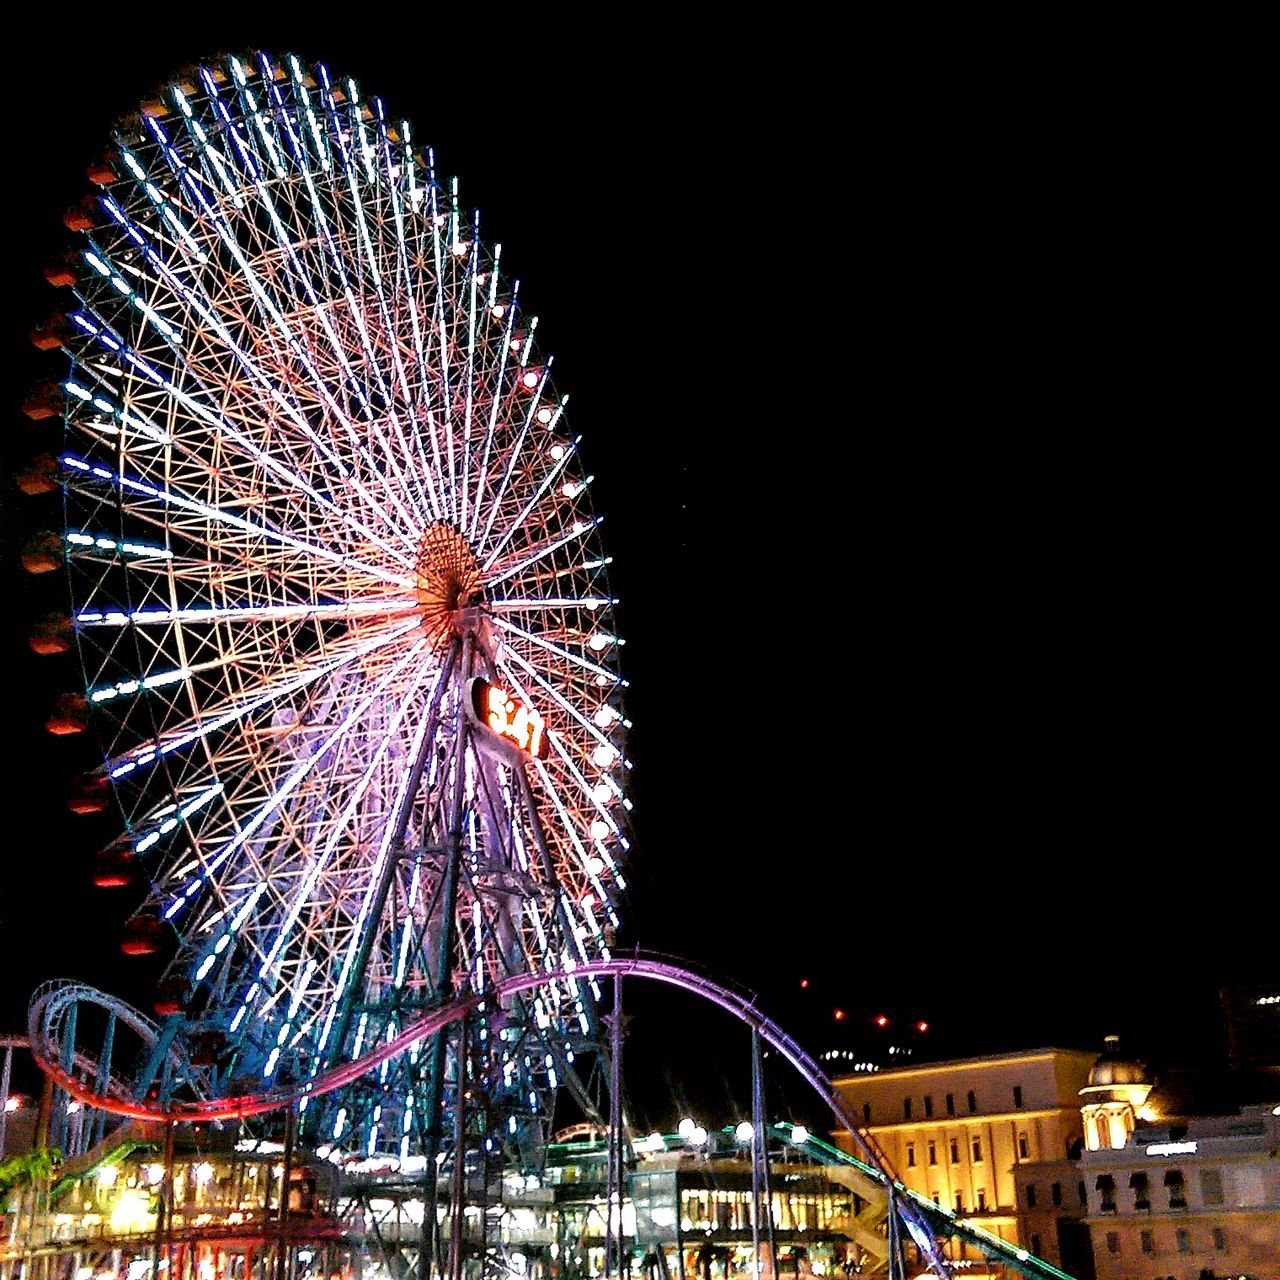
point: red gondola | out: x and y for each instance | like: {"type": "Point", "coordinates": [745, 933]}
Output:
{"type": "Point", "coordinates": [40, 475]}
{"type": "Point", "coordinates": [70, 715]}
{"type": "Point", "coordinates": [43, 553]}
{"type": "Point", "coordinates": [142, 936]}
{"type": "Point", "coordinates": [52, 634]}
{"type": "Point", "coordinates": [89, 794]}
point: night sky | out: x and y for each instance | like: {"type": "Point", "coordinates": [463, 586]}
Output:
{"type": "Point", "coordinates": [906, 392]}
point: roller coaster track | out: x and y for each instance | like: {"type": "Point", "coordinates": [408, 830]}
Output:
{"type": "Point", "coordinates": [923, 1219]}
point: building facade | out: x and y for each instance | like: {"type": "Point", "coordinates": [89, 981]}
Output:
{"type": "Point", "coordinates": [1196, 1198]}
{"type": "Point", "coordinates": [958, 1132]}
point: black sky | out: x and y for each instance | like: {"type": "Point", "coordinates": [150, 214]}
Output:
{"type": "Point", "coordinates": [912, 396]}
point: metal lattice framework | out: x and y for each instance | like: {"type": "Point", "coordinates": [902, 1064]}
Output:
{"type": "Point", "coordinates": [319, 484]}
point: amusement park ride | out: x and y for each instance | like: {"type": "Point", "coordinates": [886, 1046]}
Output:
{"type": "Point", "coordinates": [348, 643]}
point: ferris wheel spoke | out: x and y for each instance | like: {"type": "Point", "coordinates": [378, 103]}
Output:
{"type": "Point", "coordinates": [131, 486]}
{"type": "Point", "coordinates": [268, 307]}
{"type": "Point", "coordinates": [577, 659]}
{"type": "Point", "coordinates": [151, 616]}
{"type": "Point", "coordinates": [532, 408]}
{"type": "Point", "coordinates": [578, 530]}
{"type": "Point", "coordinates": [552, 418]}
{"type": "Point", "coordinates": [341, 823]}
{"type": "Point", "coordinates": [290, 784]}
{"type": "Point", "coordinates": [559, 464]}
{"type": "Point", "coordinates": [216, 719]}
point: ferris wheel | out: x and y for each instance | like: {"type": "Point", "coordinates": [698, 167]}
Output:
{"type": "Point", "coordinates": [341, 606]}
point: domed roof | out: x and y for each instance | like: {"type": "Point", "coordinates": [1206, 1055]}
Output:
{"type": "Point", "coordinates": [1113, 1069]}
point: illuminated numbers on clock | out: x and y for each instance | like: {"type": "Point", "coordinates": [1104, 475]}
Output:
{"type": "Point", "coordinates": [505, 715]}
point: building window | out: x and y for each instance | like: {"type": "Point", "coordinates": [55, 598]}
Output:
{"type": "Point", "coordinates": [982, 1199]}
{"type": "Point", "coordinates": [1024, 1147]}
{"type": "Point", "coordinates": [1017, 1095]}
{"type": "Point", "coordinates": [1141, 1190]}
{"type": "Point", "coordinates": [1055, 1194]}
{"type": "Point", "coordinates": [933, 1153]}
{"type": "Point", "coordinates": [937, 1196]}
{"type": "Point", "coordinates": [1219, 1239]}
{"type": "Point", "coordinates": [1148, 1242]}
{"type": "Point", "coordinates": [1035, 1243]}
{"type": "Point", "coordinates": [973, 1102]}
{"type": "Point", "coordinates": [959, 1202]}
{"type": "Point", "coordinates": [1031, 1196]}
{"type": "Point", "coordinates": [928, 1104]}
{"type": "Point", "coordinates": [1083, 1195]}
{"type": "Point", "coordinates": [1106, 1186]}
{"type": "Point", "coordinates": [1211, 1186]}
{"type": "Point", "coordinates": [951, 1104]}
{"type": "Point", "coordinates": [906, 1108]}
{"type": "Point", "coordinates": [911, 1155]}
{"type": "Point", "coordinates": [1113, 1242]}
{"type": "Point", "coordinates": [977, 1151]}
{"type": "Point", "coordinates": [955, 1150]}
{"type": "Point", "coordinates": [866, 1113]}
{"type": "Point", "coordinates": [1177, 1188]}
{"type": "Point", "coordinates": [1184, 1240]}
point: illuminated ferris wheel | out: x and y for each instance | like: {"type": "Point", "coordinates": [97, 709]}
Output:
{"type": "Point", "coordinates": [341, 605]}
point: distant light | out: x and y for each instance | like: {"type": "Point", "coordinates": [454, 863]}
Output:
{"type": "Point", "coordinates": [799, 1134]}
{"type": "Point", "coordinates": [599, 640]}
{"type": "Point", "coordinates": [604, 755]}
{"type": "Point", "coordinates": [72, 1107]}
{"type": "Point", "coordinates": [12, 1103]}
{"type": "Point", "coordinates": [882, 1021]}
{"type": "Point", "coordinates": [594, 865]}
{"type": "Point", "coordinates": [544, 415]}
{"type": "Point", "coordinates": [804, 984]}
{"type": "Point", "coordinates": [107, 1175]}
{"type": "Point", "coordinates": [529, 380]}
{"type": "Point", "coordinates": [745, 1131]}
{"type": "Point", "coordinates": [155, 1172]}
{"type": "Point", "coordinates": [599, 829]}
{"type": "Point", "coordinates": [655, 1142]}
{"type": "Point", "coordinates": [602, 793]}
{"type": "Point", "coordinates": [1172, 1149]}
{"type": "Point", "coordinates": [838, 1015]}
{"type": "Point", "coordinates": [686, 1127]}
{"type": "Point", "coordinates": [922, 1027]}
{"type": "Point", "coordinates": [204, 1173]}
{"type": "Point", "coordinates": [557, 451]}
{"type": "Point", "coordinates": [570, 489]}
{"type": "Point", "coordinates": [498, 312]}
{"type": "Point", "coordinates": [698, 1138]}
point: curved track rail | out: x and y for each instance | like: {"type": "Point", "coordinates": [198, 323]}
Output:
{"type": "Point", "coordinates": [741, 1006]}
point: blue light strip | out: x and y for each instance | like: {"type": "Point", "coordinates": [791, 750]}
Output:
{"type": "Point", "coordinates": [173, 816]}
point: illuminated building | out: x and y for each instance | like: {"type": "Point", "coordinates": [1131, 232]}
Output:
{"type": "Point", "coordinates": [1188, 1198]}
{"type": "Point", "coordinates": [1114, 1099]}
{"type": "Point", "coordinates": [1051, 1196]}
{"type": "Point", "coordinates": [956, 1132]}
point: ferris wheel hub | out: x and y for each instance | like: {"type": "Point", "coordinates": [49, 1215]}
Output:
{"type": "Point", "coordinates": [449, 584]}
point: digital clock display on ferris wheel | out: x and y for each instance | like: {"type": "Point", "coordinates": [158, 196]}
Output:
{"type": "Point", "coordinates": [508, 718]}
